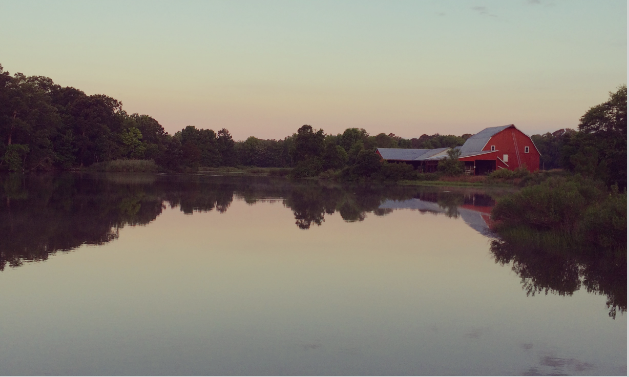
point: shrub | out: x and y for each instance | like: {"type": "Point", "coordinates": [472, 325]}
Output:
{"type": "Point", "coordinates": [502, 174]}
{"type": "Point", "coordinates": [329, 174]}
{"type": "Point", "coordinates": [556, 204]}
{"type": "Point", "coordinates": [279, 172]}
{"type": "Point", "coordinates": [428, 176]}
{"type": "Point", "coordinates": [135, 166]}
{"type": "Point", "coordinates": [451, 165]}
{"type": "Point", "coordinates": [14, 156]}
{"type": "Point", "coordinates": [307, 168]}
{"type": "Point", "coordinates": [397, 172]}
{"type": "Point", "coordinates": [605, 224]}
{"type": "Point", "coordinates": [521, 172]}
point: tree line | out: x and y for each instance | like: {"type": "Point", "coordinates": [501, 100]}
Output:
{"type": "Point", "coordinates": [44, 126]}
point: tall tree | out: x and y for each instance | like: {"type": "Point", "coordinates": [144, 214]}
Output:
{"type": "Point", "coordinates": [600, 147]}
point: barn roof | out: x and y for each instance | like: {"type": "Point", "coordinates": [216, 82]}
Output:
{"type": "Point", "coordinates": [476, 143]}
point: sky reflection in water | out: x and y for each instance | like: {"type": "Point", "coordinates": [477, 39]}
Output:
{"type": "Point", "coordinates": [250, 284]}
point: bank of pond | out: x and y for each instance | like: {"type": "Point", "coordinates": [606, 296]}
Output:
{"type": "Point", "coordinates": [559, 236]}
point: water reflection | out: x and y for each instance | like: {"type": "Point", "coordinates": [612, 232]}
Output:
{"type": "Point", "coordinates": [545, 269]}
{"type": "Point", "coordinates": [44, 214]}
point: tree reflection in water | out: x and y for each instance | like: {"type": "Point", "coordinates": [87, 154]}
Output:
{"type": "Point", "coordinates": [545, 266]}
{"type": "Point", "coordinates": [43, 214]}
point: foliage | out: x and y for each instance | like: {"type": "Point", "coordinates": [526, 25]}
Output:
{"type": "Point", "coordinates": [451, 165]}
{"type": "Point", "coordinates": [520, 172]}
{"type": "Point", "coordinates": [132, 140]}
{"type": "Point", "coordinates": [308, 144]}
{"type": "Point", "coordinates": [397, 171]}
{"type": "Point", "coordinates": [307, 168]}
{"type": "Point", "coordinates": [334, 157]}
{"type": "Point", "coordinates": [351, 136]}
{"type": "Point", "coordinates": [136, 166]}
{"type": "Point", "coordinates": [599, 149]}
{"type": "Point", "coordinates": [605, 224]}
{"type": "Point", "coordinates": [14, 156]}
{"type": "Point", "coordinates": [550, 146]}
{"type": "Point", "coordinates": [556, 204]}
{"type": "Point", "coordinates": [428, 176]}
{"type": "Point", "coordinates": [437, 141]}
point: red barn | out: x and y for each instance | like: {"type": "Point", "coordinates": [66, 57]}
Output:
{"type": "Point", "coordinates": [493, 148]}
{"type": "Point", "coordinates": [503, 147]}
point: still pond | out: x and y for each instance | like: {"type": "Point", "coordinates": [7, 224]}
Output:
{"type": "Point", "coordinates": [200, 275]}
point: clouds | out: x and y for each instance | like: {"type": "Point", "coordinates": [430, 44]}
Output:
{"type": "Point", "coordinates": [483, 11]}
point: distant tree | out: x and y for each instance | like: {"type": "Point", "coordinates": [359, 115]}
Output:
{"type": "Point", "coordinates": [351, 136]}
{"type": "Point", "coordinates": [550, 146]}
{"type": "Point", "coordinates": [383, 140]}
{"type": "Point", "coordinates": [367, 163]}
{"type": "Point", "coordinates": [334, 157]}
{"type": "Point", "coordinates": [308, 144]}
{"type": "Point", "coordinates": [225, 145]}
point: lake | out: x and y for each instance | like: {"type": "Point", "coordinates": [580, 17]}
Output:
{"type": "Point", "coordinates": [116, 274]}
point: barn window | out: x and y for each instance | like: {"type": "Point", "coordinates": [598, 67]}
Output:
{"type": "Point", "coordinates": [493, 148]}
{"type": "Point", "coordinates": [505, 157]}
{"type": "Point", "coordinates": [526, 149]}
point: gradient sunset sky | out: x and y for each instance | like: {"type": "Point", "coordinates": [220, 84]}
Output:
{"type": "Point", "coordinates": [264, 68]}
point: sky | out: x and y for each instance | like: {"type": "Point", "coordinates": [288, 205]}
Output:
{"type": "Point", "coordinates": [264, 68]}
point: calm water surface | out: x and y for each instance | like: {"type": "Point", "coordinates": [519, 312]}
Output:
{"type": "Point", "coordinates": [120, 274]}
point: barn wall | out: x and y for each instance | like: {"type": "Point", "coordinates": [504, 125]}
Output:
{"type": "Point", "coordinates": [505, 145]}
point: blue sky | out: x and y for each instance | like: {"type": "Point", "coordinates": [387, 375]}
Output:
{"type": "Point", "coordinates": [264, 68]}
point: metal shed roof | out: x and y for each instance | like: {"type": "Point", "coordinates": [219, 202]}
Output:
{"type": "Point", "coordinates": [398, 154]}
{"type": "Point", "coordinates": [472, 218]}
{"type": "Point", "coordinates": [401, 154]}
{"type": "Point", "coordinates": [476, 143]}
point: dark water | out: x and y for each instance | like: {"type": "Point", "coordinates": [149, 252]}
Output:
{"type": "Point", "coordinates": [120, 274]}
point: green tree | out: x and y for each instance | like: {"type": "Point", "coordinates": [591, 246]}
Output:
{"type": "Point", "coordinates": [132, 140]}
{"type": "Point", "coordinates": [600, 147]}
{"type": "Point", "coordinates": [308, 144]}
{"type": "Point", "coordinates": [225, 146]}
{"type": "Point", "coordinates": [351, 136]}
{"type": "Point", "coordinates": [14, 156]}
{"type": "Point", "coordinates": [334, 157]}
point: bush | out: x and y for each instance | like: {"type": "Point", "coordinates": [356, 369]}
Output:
{"type": "Point", "coordinates": [521, 172]}
{"type": "Point", "coordinates": [556, 204]}
{"type": "Point", "coordinates": [330, 174]}
{"type": "Point", "coordinates": [14, 156]}
{"type": "Point", "coordinates": [605, 224]}
{"type": "Point", "coordinates": [451, 167]}
{"type": "Point", "coordinates": [307, 168]}
{"type": "Point", "coordinates": [502, 174]}
{"type": "Point", "coordinates": [135, 166]}
{"type": "Point", "coordinates": [428, 176]}
{"type": "Point", "coordinates": [279, 172]}
{"type": "Point", "coordinates": [397, 172]}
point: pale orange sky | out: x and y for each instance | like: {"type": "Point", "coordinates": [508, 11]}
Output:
{"type": "Point", "coordinates": [264, 68]}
